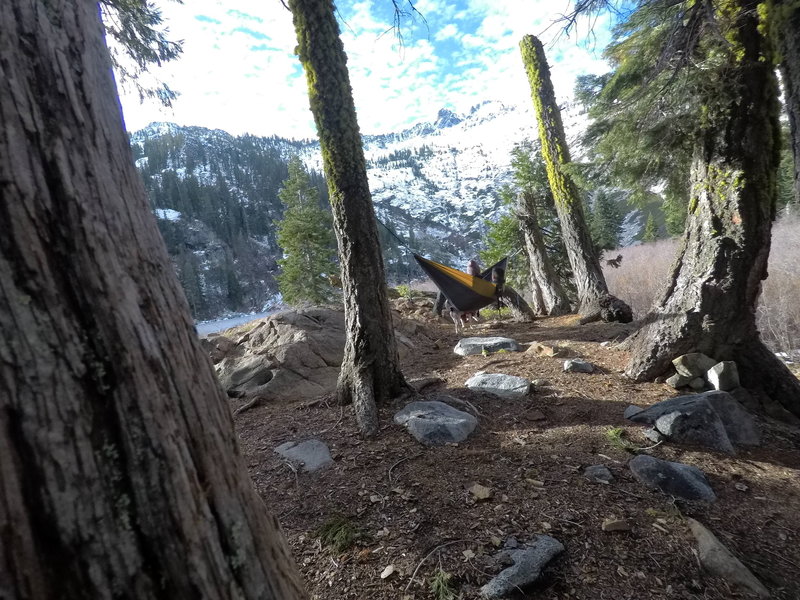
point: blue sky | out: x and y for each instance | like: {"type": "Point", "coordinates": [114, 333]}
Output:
{"type": "Point", "coordinates": [239, 73]}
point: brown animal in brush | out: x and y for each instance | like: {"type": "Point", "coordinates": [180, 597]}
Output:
{"type": "Point", "coordinates": [615, 262]}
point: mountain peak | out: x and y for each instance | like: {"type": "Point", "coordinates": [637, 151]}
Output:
{"type": "Point", "coordinates": [446, 118]}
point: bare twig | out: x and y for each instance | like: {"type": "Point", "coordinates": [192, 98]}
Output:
{"type": "Point", "coordinates": [781, 557]}
{"type": "Point", "coordinates": [428, 555]}
{"type": "Point", "coordinates": [405, 458]}
{"type": "Point", "coordinates": [656, 445]}
{"type": "Point", "coordinates": [467, 404]}
{"type": "Point", "coordinates": [294, 470]}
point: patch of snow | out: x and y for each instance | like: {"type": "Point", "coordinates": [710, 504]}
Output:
{"type": "Point", "coordinates": [167, 214]}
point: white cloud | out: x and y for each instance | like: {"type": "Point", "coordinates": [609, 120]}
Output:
{"type": "Point", "coordinates": [238, 71]}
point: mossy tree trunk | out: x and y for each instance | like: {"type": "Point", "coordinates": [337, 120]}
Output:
{"type": "Point", "coordinates": [787, 16]}
{"type": "Point", "coordinates": [549, 296]}
{"type": "Point", "coordinates": [709, 304]}
{"type": "Point", "coordinates": [121, 476]}
{"type": "Point", "coordinates": [593, 297]}
{"type": "Point", "coordinates": [370, 371]}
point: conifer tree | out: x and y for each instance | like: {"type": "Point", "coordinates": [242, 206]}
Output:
{"type": "Point", "coordinates": [650, 232]}
{"type": "Point", "coordinates": [594, 299]}
{"type": "Point", "coordinates": [370, 372]}
{"type": "Point", "coordinates": [121, 471]}
{"type": "Point", "coordinates": [709, 67]}
{"type": "Point", "coordinates": [139, 42]}
{"type": "Point", "coordinates": [606, 221]}
{"type": "Point", "coordinates": [306, 236]}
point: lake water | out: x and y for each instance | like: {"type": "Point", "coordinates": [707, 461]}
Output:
{"type": "Point", "coordinates": [207, 327]}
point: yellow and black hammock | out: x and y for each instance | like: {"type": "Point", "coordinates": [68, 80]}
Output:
{"type": "Point", "coordinates": [464, 291]}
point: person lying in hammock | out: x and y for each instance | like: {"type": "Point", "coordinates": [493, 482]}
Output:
{"type": "Point", "coordinates": [474, 269]}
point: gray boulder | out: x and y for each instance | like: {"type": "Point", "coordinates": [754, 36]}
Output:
{"type": "Point", "coordinates": [505, 386]}
{"type": "Point", "coordinates": [719, 561]}
{"type": "Point", "coordinates": [631, 410]}
{"type": "Point", "coordinates": [527, 568]}
{"type": "Point", "coordinates": [435, 423]}
{"type": "Point", "coordinates": [292, 355]}
{"type": "Point", "coordinates": [694, 364]}
{"type": "Point", "coordinates": [723, 376]}
{"type": "Point", "coordinates": [311, 454]}
{"type": "Point", "coordinates": [477, 345]}
{"type": "Point", "coordinates": [699, 425]}
{"type": "Point", "coordinates": [578, 365]}
{"type": "Point", "coordinates": [672, 479]}
{"type": "Point", "coordinates": [713, 419]}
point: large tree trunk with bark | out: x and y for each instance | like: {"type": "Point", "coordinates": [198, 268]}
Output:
{"type": "Point", "coordinates": [120, 475]}
{"type": "Point", "coordinates": [370, 369]}
{"type": "Point", "coordinates": [549, 295]}
{"type": "Point", "coordinates": [787, 16]}
{"type": "Point", "coordinates": [593, 296]}
{"type": "Point", "coordinates": [709, 304]}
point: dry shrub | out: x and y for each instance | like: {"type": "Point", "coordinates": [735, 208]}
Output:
{"type": "Point", "coordinates": [778, 311]}
{"type": "Point", "coordinates": [641, 278]}
{"type": "Point", "coordinates": [642, 275]}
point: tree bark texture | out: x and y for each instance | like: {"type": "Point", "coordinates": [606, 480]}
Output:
{"type": "Point", "coordinates": [120, 476]}
{"type": "Point", "coordinates": [709, 304]}
{"type": "Point", "coordinates": [593, 295]}
{"type": "Point", "coordinates": [787, 23]}
{"type": "Point", "coordinates": [370, 369]}
{"type": "Point", "coordinates": [548, 292]}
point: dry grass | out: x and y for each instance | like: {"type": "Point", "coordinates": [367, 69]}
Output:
{"type": "Point", "coordinates": [645, 269]}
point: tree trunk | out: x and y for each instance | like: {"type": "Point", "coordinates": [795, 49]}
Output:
{"type": "Point", "coordinates": [788, 28]}
{"type": "Point", "coordinates": [593, 295]}
{"type": "Point", "coordinates": [520, 309]}
{"type": "Point", "coordinates": [709, 305]}
{"type": "Point", "coordinates": [546, 286]}
{"type": "Point", "coordinates": [370, 371]}
{"type": "Point", "coordinates": [121, 476]}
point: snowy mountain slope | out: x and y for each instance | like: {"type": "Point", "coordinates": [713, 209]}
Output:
{"type": "Point", "coordinates": [434, 184]}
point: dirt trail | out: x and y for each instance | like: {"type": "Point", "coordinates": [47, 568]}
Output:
{"type": "Point", "coordinates": [404, 500]}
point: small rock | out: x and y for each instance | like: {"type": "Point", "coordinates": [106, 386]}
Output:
{"type": "Point", "coordinates": [654, 436]}
{"type": "Point", "coordinates": [480, 492]}
{"type": "Point", "coordinates": [435, 423]}
{"type": "Point", "coordinates": [527, 567]}
{"type": "Point", "coordinates": [388, 571]}
{"type": "Point", "coordinates": [719, 561]}
{"type": "Point", "coordinates": [499, 384]}
{"type": "Point", "coordinates": [313, 454]}
{"type": "Point", "coordinates": [488, 345]}
{"type": "Point", "coordinates": [723, 376]}
{"type": "Point", "coordinates": [678, 380]}
{"type": "Point", "coordinates": [598, 474]}
{"type": "Point", "coordinates": [694, 364]}
{"type": "Point", "coordinates": [540, 383]}
{"type": "Point", "coordinates": [614, 524]}
{"type": "Point", "coordinates": [550, 351]}
{"type": "Point", "coordinates": [671, 478]}
{"type": "Point", "coordinates": [578, 365]}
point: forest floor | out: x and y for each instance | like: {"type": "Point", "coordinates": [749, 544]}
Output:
{"type": "Point", "coordinates": [409, 507]}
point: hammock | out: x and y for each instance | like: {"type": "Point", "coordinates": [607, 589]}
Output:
{"type": "Point", "coordinates": [464, 291]}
